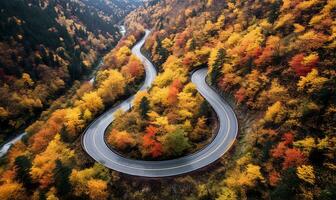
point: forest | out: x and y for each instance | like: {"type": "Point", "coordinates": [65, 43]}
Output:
{"type": "Point", "coordinates": [273, 61]}
{"type": "Point", "coordinates": [35, 69]}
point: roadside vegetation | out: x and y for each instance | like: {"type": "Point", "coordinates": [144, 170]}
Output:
{"type": "Point", "coordinates": [49, 161]}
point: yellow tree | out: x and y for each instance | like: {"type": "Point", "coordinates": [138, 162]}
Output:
{"type": "Point", "coordinates": [121, 139]}
{"type": "Point", "coordinates": [73, 123]}
{"type": "Point", "coordinates": [307, 144]}
{"type": "Point", "coordinates": [187, 104]}
{"type": "Point", "coordinates": [27, 80]}
{"type": "Point", "coordinates": [12, 191]}
{"type": "Point", "coordinates": [312, 82]}
{"type": "Point", "coordinates": [200, 131]}
{"type": "Point", "coordinates": [275, 93]}
{"type": "Point", "coordinates": [272, 113]}
{"type": "Point", "coordinates": [306, 173]}
{"type": "Point", "coordinates": [112, 86]}
{"type": "Point", "coordinates": [250, 175]}
{"type": "Point", "coordinates": [79, 178]}
{"type": "Point", "coordinates": [44, 163]}
{"type": "Point", "coordinates": [227, 194]}
{"type": "Point", "coordinates": [93, 102]}
{"type": "Point", "coordinates": [97, 189]}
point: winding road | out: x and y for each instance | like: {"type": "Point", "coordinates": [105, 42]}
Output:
{"type": "Point", "coordinates": [93, 138]}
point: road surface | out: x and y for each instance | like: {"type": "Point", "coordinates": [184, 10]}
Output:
{"type": "Point", "coordinates": [93, 138]}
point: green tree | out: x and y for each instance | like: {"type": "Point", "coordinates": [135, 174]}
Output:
{"type": "Point", "coordinates": [144, 107]}
{"type": "Point", "coordinates": [176, 142]}
{"type": "Point", "coordinates": [217, 64]}
{"type": "Point", "coordinates": [288, 186]}
{"type": "Point", "coordinates": [61, 177]}
{"type": "Point", "coordinates": [22, 166]}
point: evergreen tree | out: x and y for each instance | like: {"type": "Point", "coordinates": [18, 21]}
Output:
{"type": "Point", "coordinates": [144, 107]}
{"type": "Point", "coordinates": [23, 165]}
{"type": "Point", "coordinates": [217, 66]}
{"type": "Point", "coordinates": [61, 177]}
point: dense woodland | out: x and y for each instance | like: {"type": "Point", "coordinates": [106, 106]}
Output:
{"type": "Point", "coordinates": [273, 60]}
{"type": "Point", "coordinates": [170, 120]}
{"type": "Point", "coordinates": [48, 163]}
{"type": "Point", "coordinates": [276, 60]}
{"type": "Point", "coordinates": [44, 47]}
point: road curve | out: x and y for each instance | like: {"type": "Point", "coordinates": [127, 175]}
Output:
{"type": "Point", "coordinates": [93, 138]}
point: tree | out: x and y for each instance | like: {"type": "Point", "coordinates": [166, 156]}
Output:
{"type": "Point", "coordinates": [274, 11]}
{"type": "Point", "coordinates": [227, 194]}
{"type": "Point", "coordinates": [144, 107]}
{"type": "Point", "coordinates": [150, 144]}
{"type": "Point", "coordinates": [250, 176]}
{"type": "Point", "coordinates": [176, 143]}
{"type": "Point", "coordinates": [272, 113]}
{"type": "Point", "coordinates": [216, 61]}
{"type": "Point", "coordinates": [288, 186]}
{"type": "Point", "coordinates": [45, 162]}
{"type": "Point", "coordinates": [12, 191]}
{"type": "Point", "coordinates": [279, 151]}
{"type": "Point", "coordinates": [22, 167]}
{"type": "Point", "coordinates": [27, 80]}
{"type": "Point", "coordinates": [133, 69]}
{"type": "Point", "coordinates": [293, 157]}
{"type": "Point", "coordinates": [306, 173]}
{"type": "Point", "coordinates": [200, 131]}
{"type": "Point", "coordinates": [138, 98]}
{"type": "Point", "coordinates": [240, 95]}
{"type": "Point", "coordinates": [307, 144]}
{"type": "Point", "coordinates": [61, 175]}
{"type": "Point", "coordinates": [97, 189]}
{"type": "Point", "coordinates": [112, 86]}
{"type": "Point", "coordinates": [79, 179]}
{"type": "Point", "coordinates": [74, 123]}
{"type": "Point", "coordinates": [121, 140]}
{"type": "Point", "coordinates": [311, 83]}
{"type": "Point", "coordinates": [188, 103]}
{"type": "Point", "coordinates": [274, 178]}
{"type": "Point", "coordinates": [92, 102]}
{"type": "Point", "coordinates": [302, 64]}
{"type": "Point", "coordinates": [173, 91]}
{"type": "Point", "coordinates": [268, 52]}
{"type": "Point", "coordinates": [311, 40]}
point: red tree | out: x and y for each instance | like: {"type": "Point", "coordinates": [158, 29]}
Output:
{"type": "Point", "coordinates": [174, 89]}
{"type": "Point", "coordinates": [302, 67]}
{"type": "Point", "coordinates": [152, 146]}
{"type": "Point", "coordinates": [293, 157]}
{"type": "Point", "coordinates": [240, 95]}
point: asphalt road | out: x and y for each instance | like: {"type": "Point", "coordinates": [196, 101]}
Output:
{"type": "Point", "coordinates": [93, 138]}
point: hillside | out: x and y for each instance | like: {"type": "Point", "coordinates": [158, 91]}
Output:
{"type": "Point", "coordinates": [276, 61]}
{"type": "Point", "coordinates": [45, 46]}
{"type": "Point", "coordinates": [273, 61]}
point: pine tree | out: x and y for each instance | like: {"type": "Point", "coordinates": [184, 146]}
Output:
{"type": "Point", "coordinates": [23, 165]}
{"type": "Point", "coordinates": [217, 66]}
{"type": "Point", "coordinates": [61, 177]}
{"type": "Point", "coordinates": [144, 107]}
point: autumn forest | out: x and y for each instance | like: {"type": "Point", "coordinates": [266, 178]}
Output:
{"type": "Point", "coordinates": [167, 99]}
